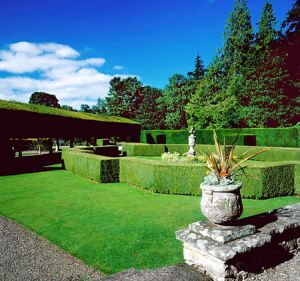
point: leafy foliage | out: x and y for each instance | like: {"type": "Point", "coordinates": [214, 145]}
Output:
{"type": "Point", "coordinates": [44, 99]}
{"type": "Point", "coordinates": [199, 71]}
{"type": "Point", "coordinates": [212, 105]}
{"type": "Point", "coordinates": [174, 98]}
{"type": "Point", "coordinates": [68, 107]}
{"type": "Point", "coordinates": [251, 83]}
{"type": "Point", "coordinates": [266, 27]}
{"type": "Point", "coordinates": [223, 164]}
{"type": "Point", "coordinates": [238, 38]}
{"type": "Point", "coordinates": [100, 107]}
{"type": "Point", "coordinates": [149, 114]}
{"type": "Point", "coordinates": [124, 97]}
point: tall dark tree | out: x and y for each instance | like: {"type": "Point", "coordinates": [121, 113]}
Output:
{"type": "Point", "coordinates": [292, 22]}
{"type": "Point", "coordinates": [149, 114]}
{"type": "Point", "coordinates": [238, 38]}
{"type": "Point", "coordinates": [264, 95]}
{"type": "Point", "coordinates": [289, 46]}
{"type": "Point", "coordinates": [214, 103]}
{"type": "Point", "coordinates": [199, 70]}
{"type": "Point", "coordinates": [174, 99]}
{"type": "Point", "coordinates": [44, 99]}
{"type": "Point", "coordinates": [290, 41]}
{"type": "Point", "coordinates": [266, 27]}
{"type": "Point", "coordinates": [124, 97]}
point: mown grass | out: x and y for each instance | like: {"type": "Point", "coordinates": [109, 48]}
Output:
{"type": "Point", "coordinates": [112, 227]}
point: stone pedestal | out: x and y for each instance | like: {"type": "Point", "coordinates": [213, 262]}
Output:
{"type": "Point", "coordinates": [232, 252]}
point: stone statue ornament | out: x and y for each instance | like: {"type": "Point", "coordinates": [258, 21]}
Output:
{"type": "Point", "coordinates": [192, 142]}
{"type": "Point", "coordinates": [221, 200]}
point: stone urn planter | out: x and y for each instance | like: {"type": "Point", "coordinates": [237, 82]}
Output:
{"type": "Point", "coordinates": [221, 204]}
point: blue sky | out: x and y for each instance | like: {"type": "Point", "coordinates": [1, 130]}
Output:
{"type": "Point", "coordinates": [73, 48]}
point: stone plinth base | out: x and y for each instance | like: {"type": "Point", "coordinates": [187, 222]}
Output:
{"type": "Point", "coordinates": [255, 243]}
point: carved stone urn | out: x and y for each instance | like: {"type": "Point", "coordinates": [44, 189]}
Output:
{"type": "Point", "coordinates": [221, 204]}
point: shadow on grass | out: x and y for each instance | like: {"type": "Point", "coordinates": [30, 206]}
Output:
{"type": "Point", "coordinates": [29, 169]}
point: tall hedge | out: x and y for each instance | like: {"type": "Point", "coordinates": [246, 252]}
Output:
{"type": "Point", "coordinates": [275, 137]}
{"type": "Point", "coordinates": [275, 154]}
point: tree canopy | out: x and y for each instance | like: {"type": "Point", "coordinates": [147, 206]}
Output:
{"type": "Point", "coordinates": [44, 99]}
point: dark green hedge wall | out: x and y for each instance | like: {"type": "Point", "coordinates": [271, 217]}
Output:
{"type": "Point", "coordinates": [275, 137]}
{"type": "Point", "coordinates": [275, 154]}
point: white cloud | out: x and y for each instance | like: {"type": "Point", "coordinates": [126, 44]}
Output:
{"type": "Point", "coordinates": [59, 69]}
{"type": "Point", "coordinates": [118, 67]}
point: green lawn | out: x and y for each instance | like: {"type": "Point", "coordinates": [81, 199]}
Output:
{"type": "Point", "coordinates": [112, 227]}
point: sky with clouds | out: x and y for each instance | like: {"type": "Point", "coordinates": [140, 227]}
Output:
{"type": "Point", "coordinates": [74, 48]}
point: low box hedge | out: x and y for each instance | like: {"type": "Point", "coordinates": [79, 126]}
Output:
{"type": "Point", "coordinates": [94, 167]}
{"type": "Point", "coordinates": [264, 180]}
{"type": "Point", "coordinates": [161, 177]}
{"type": "Point", "coordinates": [142, 149]}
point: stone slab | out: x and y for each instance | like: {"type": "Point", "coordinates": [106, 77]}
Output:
{"type": "Point", "coordinates": [228, 257]}
{"type": "Point", "coordinates": [223, 251]}
{"type": "Point", "coordinates": [221, 233]}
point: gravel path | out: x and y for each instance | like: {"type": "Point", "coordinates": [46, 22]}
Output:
{"type": "Point", "coordinates": [286, 271]}
{"type": "Point", "coordinates": [26, 256]}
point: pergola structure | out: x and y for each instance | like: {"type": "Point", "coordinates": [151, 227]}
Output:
{"type": "Point", "coordinates": [20, 120]}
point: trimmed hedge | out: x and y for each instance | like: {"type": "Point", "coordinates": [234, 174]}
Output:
{"type": "Point", "coordinates": [275, 137]}
{"type": "Point", "coordinates": [264, 180]}
{"type": "Point", "coordinates": [275, 154]}
{"type": "Point", "coordinates": [161, 177]}
{"type": "Point", "coordinates": [94, 167]}
{"type": "Point", "coordinates": [140, 149]}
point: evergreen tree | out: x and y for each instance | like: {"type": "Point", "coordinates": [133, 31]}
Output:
{"type": "Point", "coordinates": [266, 27]}
{"type": "Point", "coordinates": [199, 71]}
{"type": "Point", "coordinates": [264, 102]}
{"type": "Point", "coordinates": [213, 105]}
{"type": "Point", "coordinates": [238, 38]}
{"type": "Point", "coordinates": [148, 113]}
{"type": "Point", "coordinates": [174, 99]}
{"type": "Point", "coordinates": [289, 46]}
{"type": "Point", "coordinates": [124, 97]}
{"type": "Point", "coordinates": [263, 96]}
{"type": "Point", "coordinates": [292, 22]}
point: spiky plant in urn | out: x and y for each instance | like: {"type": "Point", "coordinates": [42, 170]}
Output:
{"type": "Point", "coordinates": [221, 200]}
